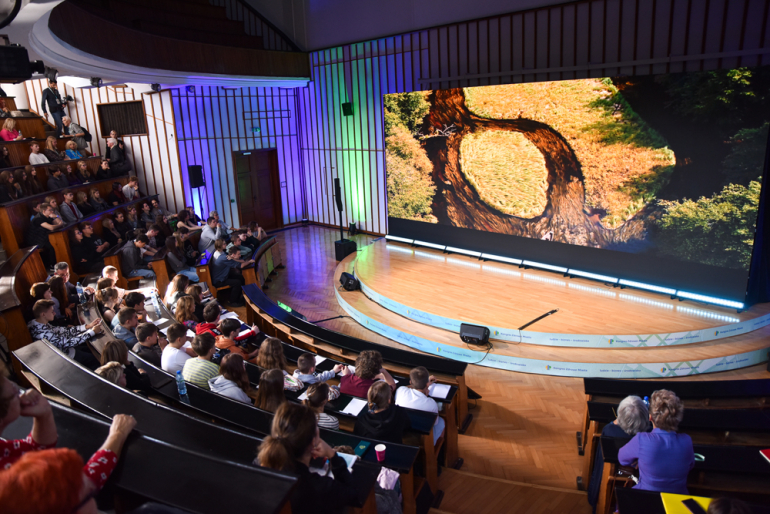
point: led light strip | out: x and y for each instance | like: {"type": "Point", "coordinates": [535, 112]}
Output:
{"type": "Point", "coordinates": [464, 252]}
{"type": "Point", "coordinates": [549, 267]}
{"type": "Point", "coordinates": [429, 245]}
{"type": "Point", "coordinates": [649, 287]}
{"type": "Point", "coordinates": [399, 239]}
{"type": "Point", "coordinates": [710, 299]}
{"type": "Point", "coordinates": [595, 276]}
{"type": "Point", "coordinates": [490, 257]}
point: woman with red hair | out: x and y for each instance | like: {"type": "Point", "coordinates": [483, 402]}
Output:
{"type": "Point", "coordinates": [66, 484]}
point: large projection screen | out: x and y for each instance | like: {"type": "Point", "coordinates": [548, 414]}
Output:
{"type": "Point", "coordinates": [655, 179]}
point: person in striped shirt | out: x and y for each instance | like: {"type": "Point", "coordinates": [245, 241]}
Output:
{"type": "Point", "coordinates": [198, 371]}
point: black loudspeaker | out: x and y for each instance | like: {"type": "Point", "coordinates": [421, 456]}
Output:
{"type": "Point", "coordinates": [347, 109]}
{"type": "Point", "coordinates": [195, 175]}
{"type": "Point", "coordinates": [343, 248]}
{"type": "Point", "coordinates": [474, 334]}
{"type": "Point", "coordinates": [349, 282]}
{"type": "Point", "coordinates": [338, 194]}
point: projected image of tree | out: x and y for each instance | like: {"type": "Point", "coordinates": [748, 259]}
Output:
{"type": "Point", "coordinates": [668, 165]}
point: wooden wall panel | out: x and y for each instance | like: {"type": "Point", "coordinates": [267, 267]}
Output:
{"type": "Point", "coordinates": [590, 38]}
{"type": "Point", "coordinates": [154, 156]}
{"type": "Point", "coordinates": [214, 122]}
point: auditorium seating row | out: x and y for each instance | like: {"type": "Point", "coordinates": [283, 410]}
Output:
{"type": "Point", "coordinates": [42, 173]}
{"type": "Point", "coordinates": [728, 422]}
{"type": "Point", "coordinates": [18, 151]}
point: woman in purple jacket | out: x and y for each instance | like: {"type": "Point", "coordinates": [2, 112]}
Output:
{"type": "Point", "coordinates": [664, 457]}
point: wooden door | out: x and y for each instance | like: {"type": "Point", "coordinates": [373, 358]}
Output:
{"type": "Point", "coordinates": [259, 191]}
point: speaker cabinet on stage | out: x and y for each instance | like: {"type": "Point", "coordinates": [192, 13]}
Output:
{"type": "Point", "coordinates": [343, 248]}
{"type": "Point", "coordinates": [195, 175]}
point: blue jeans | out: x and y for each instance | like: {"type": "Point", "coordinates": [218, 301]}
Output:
{"type": "Point", "coordinates": [189, 273]}
{"type": "Point", "coordinates": [438, 428]}
{"type": "Point", "coordinates": [146, 273]}
{"type": "Point", "coordinates": [57, 116]}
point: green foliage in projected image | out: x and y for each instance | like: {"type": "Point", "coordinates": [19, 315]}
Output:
{"type": "Point", "coordinates": [718, 231]}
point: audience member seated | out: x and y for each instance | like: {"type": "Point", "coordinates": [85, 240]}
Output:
{"type": "Point", "coordinates": [368, 370]}
{"type": "Point", "coordinates": [97, 246]}
{"type": "Point", "coordinates": [317, 398]}
{"type": "Point", "coordinates": [226, 271]}
{"type": "Point", "coordinates": [69, 340]}
{"type": "Point", "coordinates": [175, 354]}
{"type": "Point", "coordinates": [254, 234]}
{"type": "Point", "coordinates": [232, 381]}
{"type": "Point", "coordinates": [239, 241]}
{"type": "Point", "coordinates": [104, 172]}
{"type": "Point", "coordinates": [200, 370]}
{"type": "Point", "coordinates": [35, 157]}
{"type": "Point", "coordinates": [150, 343]}
{"type": "Point", "coordinates": [165, 228]}
{"type": "Point", "coordinates": [416, 397]}
{"type": "Point", "coordinates": [9, 132]}
{"type": "Point", "coordinates": [633, 417]}
{"type": "Point", "coordinates": [42, 291]}
{"type": "Point", "coordinates": [69, 485]}
{"type": "Point", "coordinates": [136, 379]}
{"type": "Point", "coordinates": [211, 232]}
{"type": "Point", "coordinates": [71, 175]}
{"type": "Point", "coordinates": [51, 150]}
{"type": "Point", "coordinates": [97, 202]}
{"type": "Point", "coordinates": [31, 184]}
{"type": "Point", "coordinates": [664, 457]}
{"type": "Point", "coordinates": [5, 157]}
{"type": "Point", "coordinates": [116, 196]}
{"type": "Point", "coordinates": [29, 404]}
{"type": "Point", "coordinates": [119, 163]}
{"type": "Point", "coordinates": [270, 393]}
{"type": "Point", "coordinates": [131, 259]}
{"type": "Point", "coordinates": [54, 203]}
{"type": "Point", "coordinates": [294, 440]}
{"type": "Point", "coordinates": [121, 225]}
{"type": "Point", "coordinates": [72, 150]}
{"type": "Point", "coordinates": [131, 190]}
{"type": "Point", "coordinates": [306, 370]}
{"type": "Point", "coordinates": [83, 204]}
{"type": "Point", "coordinates": [211, 317]}
{"type": "Point", "coordinates": [40, 226]}
{"type": "Point", "coordinates": [78, 134]}
{"type": "Point", "coordinates": [107, 301]}
{"type": "Point", "coordinates": [183, 220]}
{"type": "Point", "coordinates": [112, 372]}
{"type": "Point", "coordinates": [181, 238]}
{"type": "Point", "coordinates": [126, 329]}
{"type": "Point", "coordinates": [220, 223]}
{"type": "Point", "coordinates": [194, 218]}
{"type": "Point", "coordinates": [52, 101]}
{"type": "Point", "coordinates": [8, 191]}
{"type": "Point", "coordinates": [185, 313]}
{"type": "Point", "coordinates": [229, 329]}
{"type": "Point", "coordinates": [382, 419]}
{"type": "Point", "coordinates": [175, 291]}
{"type": "Point", "coordinates": [196, 291]}
{"type": "Point", "coordinates": [121, 144]}
{"type": "Point", "coordinates": [20, 184]}
{"type": "Point", "coordinates": [176, 260]}
{"type": "Point", "coordinates": [271, 355]}
{"type": "Point", "coordinates": [136, 300]}
{"type": "Point", "coordinates": [82, 172]}
{"type": "Point", "coordinates": [57, 180]}
{"type": "Point", "coordinates": [66, 308]}
{"type": "Point", "coordinates": [111, 235]}
{"type": "Point", "coordinates": [157, 210]}
{"type": "Point", "coordinates": [146, 216]}
{"type": "Point", "coordinates": [69, 211]}
{"type": "Point", "coordinates": [111, 272]}
{"type": "Point", "coordinates": [62, 269]}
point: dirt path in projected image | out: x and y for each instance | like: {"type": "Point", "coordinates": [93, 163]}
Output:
{"type": "Point", "coordinates": [457, 203]}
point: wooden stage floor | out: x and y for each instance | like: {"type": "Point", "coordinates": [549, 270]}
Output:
{"type": "Point", "coordinates": [523, 429]}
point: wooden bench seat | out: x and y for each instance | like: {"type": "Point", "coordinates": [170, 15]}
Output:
{"type": "Point", "coordinates": [18, 151]}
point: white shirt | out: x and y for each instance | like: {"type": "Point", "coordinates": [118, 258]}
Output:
{"type": "Point", "coordinates": [173, 359]}
{"type": "Point", "coordinates": [414, 399]}
{"type": "Point", "coordinates": [37, 158]}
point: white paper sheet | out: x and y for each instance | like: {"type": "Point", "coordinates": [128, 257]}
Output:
{"type": "Point", "coordinates": [351, 368]}
{"type": "Point", "coordinates": [303, 396]}
{"type": "Point", "coordinates": [243, 333]}
{"type": "Point", "coordinates": [160, 321]}
{"type": "Point", "coordinates": [319, 359]}
{"type": "Point", "coordinates": [190, 333]}
{"type": "Point", "coordinates": [355, 406]}
{"type": "Point", "coordinates": [439, 390]}
{"type": "Point", "coordinates": [230, 315]}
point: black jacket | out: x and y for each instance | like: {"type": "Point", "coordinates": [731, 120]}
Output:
{"type": "Point", "coordinates": [135, 380]}
{"type": "Point", "coordinates": [323, 495]}
{"type": "Point", "coordinates": [131, 258]}
{"type": "Point", "coordinates": [388, 425]}
{"type": "Point", "coordinates": [53, 100]}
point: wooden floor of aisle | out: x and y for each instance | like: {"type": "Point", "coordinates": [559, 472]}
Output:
{"type": "Point", "coordinates": [523, 429]}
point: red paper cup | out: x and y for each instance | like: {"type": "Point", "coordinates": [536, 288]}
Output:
{"type": "Point", "coordinates": [380, 451]}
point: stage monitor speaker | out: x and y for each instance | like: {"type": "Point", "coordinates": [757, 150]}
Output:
{"type": "Point", "coordinates": [195, 175]}
{"type": "Point", "coordinates": [474, 334]}
{"type": "Point", "coordinates": [338, 194]}
{"type": "Point", "coordinates": [347, 109]}
{"type": "Point", "coordinates": [349, 282]}
{"type": "Point", "coordinates": [343, 248]}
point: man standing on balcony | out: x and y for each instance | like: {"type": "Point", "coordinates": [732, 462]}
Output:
{"type": "Point", "coordinates": [56, 104]}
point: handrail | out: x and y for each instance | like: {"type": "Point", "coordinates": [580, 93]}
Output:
{"type": "Point", "coordinates": [8, 273]}
{"type": "Point", "coordinates": [700, 389]}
